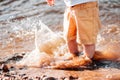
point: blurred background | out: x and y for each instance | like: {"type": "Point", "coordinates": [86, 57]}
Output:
{"type": "Point", "coordinates": [52, 16]}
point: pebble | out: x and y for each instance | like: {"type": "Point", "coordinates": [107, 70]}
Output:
{"type": "Point", "coordinates": [62, 78]}
{"type": "Point", "coordinates": [7, 75]}
{"type": "Point", "coordinates": [21, 75]}
{"type": "Point", "coordinates": [26, 77]}
{"type": "Point", "coordinates": [66, 79]}
{"type": "Point", "coordinates": [49, 78]}
{"type": "Point", "coordinates": [4, 68]}
{"type": "Point", "coordinates": [38, 78]}
{"type": "Point", "coordinates": [12, 68]}
{"type": "Point", "coordinates": [72, 78]}
{"type": "Point", "coordinates": [30, 79]}
{"type": "Point", "coordinates": [43, 76]}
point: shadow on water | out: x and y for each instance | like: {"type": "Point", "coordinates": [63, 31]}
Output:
{"type": "Point", "coordinates": [107, 64]}
{"type": "Point", "coordinates": [96, 65]}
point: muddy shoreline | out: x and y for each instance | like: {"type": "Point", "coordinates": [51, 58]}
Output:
{"type": "Point", "coordinates": [100, 70]}
{"type": "Point", "coordinates": [50, 74]}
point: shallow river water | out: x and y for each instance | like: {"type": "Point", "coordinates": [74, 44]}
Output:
{"type": "Point", "coordinates": [23, 30]}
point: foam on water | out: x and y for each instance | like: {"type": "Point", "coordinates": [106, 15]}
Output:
{"type": "Point", "coordinates": [50, 46]}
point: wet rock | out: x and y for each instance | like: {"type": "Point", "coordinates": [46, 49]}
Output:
{"type": "Point", "coordinates": [4, 68]}
{"type": "Point", "coordinates": [23, 68]}
{"type": "Point", "coordinates": [66, 79]}
{"type": "Point", "coordinates": [30, 79]}
{"type": "Point", "coordinates": [72, 78]}
{"type": "Point", "coordinates": [12, 68]}
{"type": "Point", "coordinates": [12, 77]}
{"type": "Point", "coordinates": [13, 73]}
{"type": "Point", "coordinates": [49, 78]}
{"type": "Point", "coordinates": [62, 78]}
{"type": "Point", "coordinates": [22, 75]}
{"type": "Point", "coordinates": [43, 76]}
{"type": "Point", "coordinates": [25, 77]}
{"type": "Point", "coordinates": [7, 75]}
{"type": "Point", "coordinates": [38, 78]}
{"type": "Point", "coordinates": [16, 58]}
{"type": "Point", "coordinates": [23, 54]}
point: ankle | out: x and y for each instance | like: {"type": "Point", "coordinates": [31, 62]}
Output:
{"type": "Point", "coordinates": [86, 57]}
{"type": "Point", "coordinates": [74, 53]}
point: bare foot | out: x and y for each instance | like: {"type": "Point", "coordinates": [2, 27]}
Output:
{"type": "Point", "coordinates": [68, 56]}
{"type": "Point", "coordinates": [85, 59]}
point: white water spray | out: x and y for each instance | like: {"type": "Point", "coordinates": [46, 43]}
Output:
{"type": "Point", "coordinates": [47, 46]}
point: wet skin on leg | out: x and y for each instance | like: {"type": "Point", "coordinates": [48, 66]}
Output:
{"type": "Point", "coordinates": [89, 50]}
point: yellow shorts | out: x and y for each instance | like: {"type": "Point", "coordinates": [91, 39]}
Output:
{"type": "Point", "coordinates": [81, 22]}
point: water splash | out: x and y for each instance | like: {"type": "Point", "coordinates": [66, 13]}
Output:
{"type": "Point", "coordinates": [48, 45]}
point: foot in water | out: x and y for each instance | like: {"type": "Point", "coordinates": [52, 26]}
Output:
{"type": "Point", "coordinates": [85, 60]}
{"type": "Point", "coordinates": [76, 62]}
{"type": "Point", "coordinates": [72, 61]}
{"type": "Point", "coordinates": [68, 56]}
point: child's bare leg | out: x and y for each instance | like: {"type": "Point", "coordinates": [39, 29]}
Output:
{"type": "Point", "coordinates": [89, 50]}
{"type": "Point", "coordinates": [72, 50]}
{"type": "Point", "coordinates": [73, 47]}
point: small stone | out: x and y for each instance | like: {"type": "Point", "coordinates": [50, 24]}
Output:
{"type": "Point", "coordinates": [7, 75]}
{"type": "Point", "coordinates": [12, 77]}
{"type": "Point", "coordinates": [26, 77]}
{"type": "Point", "coordinates": [23, 54]}
{"type": "Point", "coordinates": [43, 76]}
{"type": "Point", "coordinates": [13, 72]}
{"type": "Point", "coordinates": [72, 78]}
{"type": "Point", "coordinates": [12, 67]}
{"type": "Point", "coordinates": [38, 78]}
{"type": "Point", "coordinates": [21, 68]}
{"type": "Point", "coordinates": [66, 79]}
{"type": "Point", "coordinates": [30, 79]}
{"type": "Point", "coordinates": [21, 75]}
{"type": "Point", "coordinates": [4, 68]}
{"type": "Point", "coordinates": [62, 78]}
{"type": "Point", "coordinates": [49, 78]}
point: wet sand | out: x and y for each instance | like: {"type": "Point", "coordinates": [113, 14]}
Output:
{"type": "Point", "coordinates": [24, 73]}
